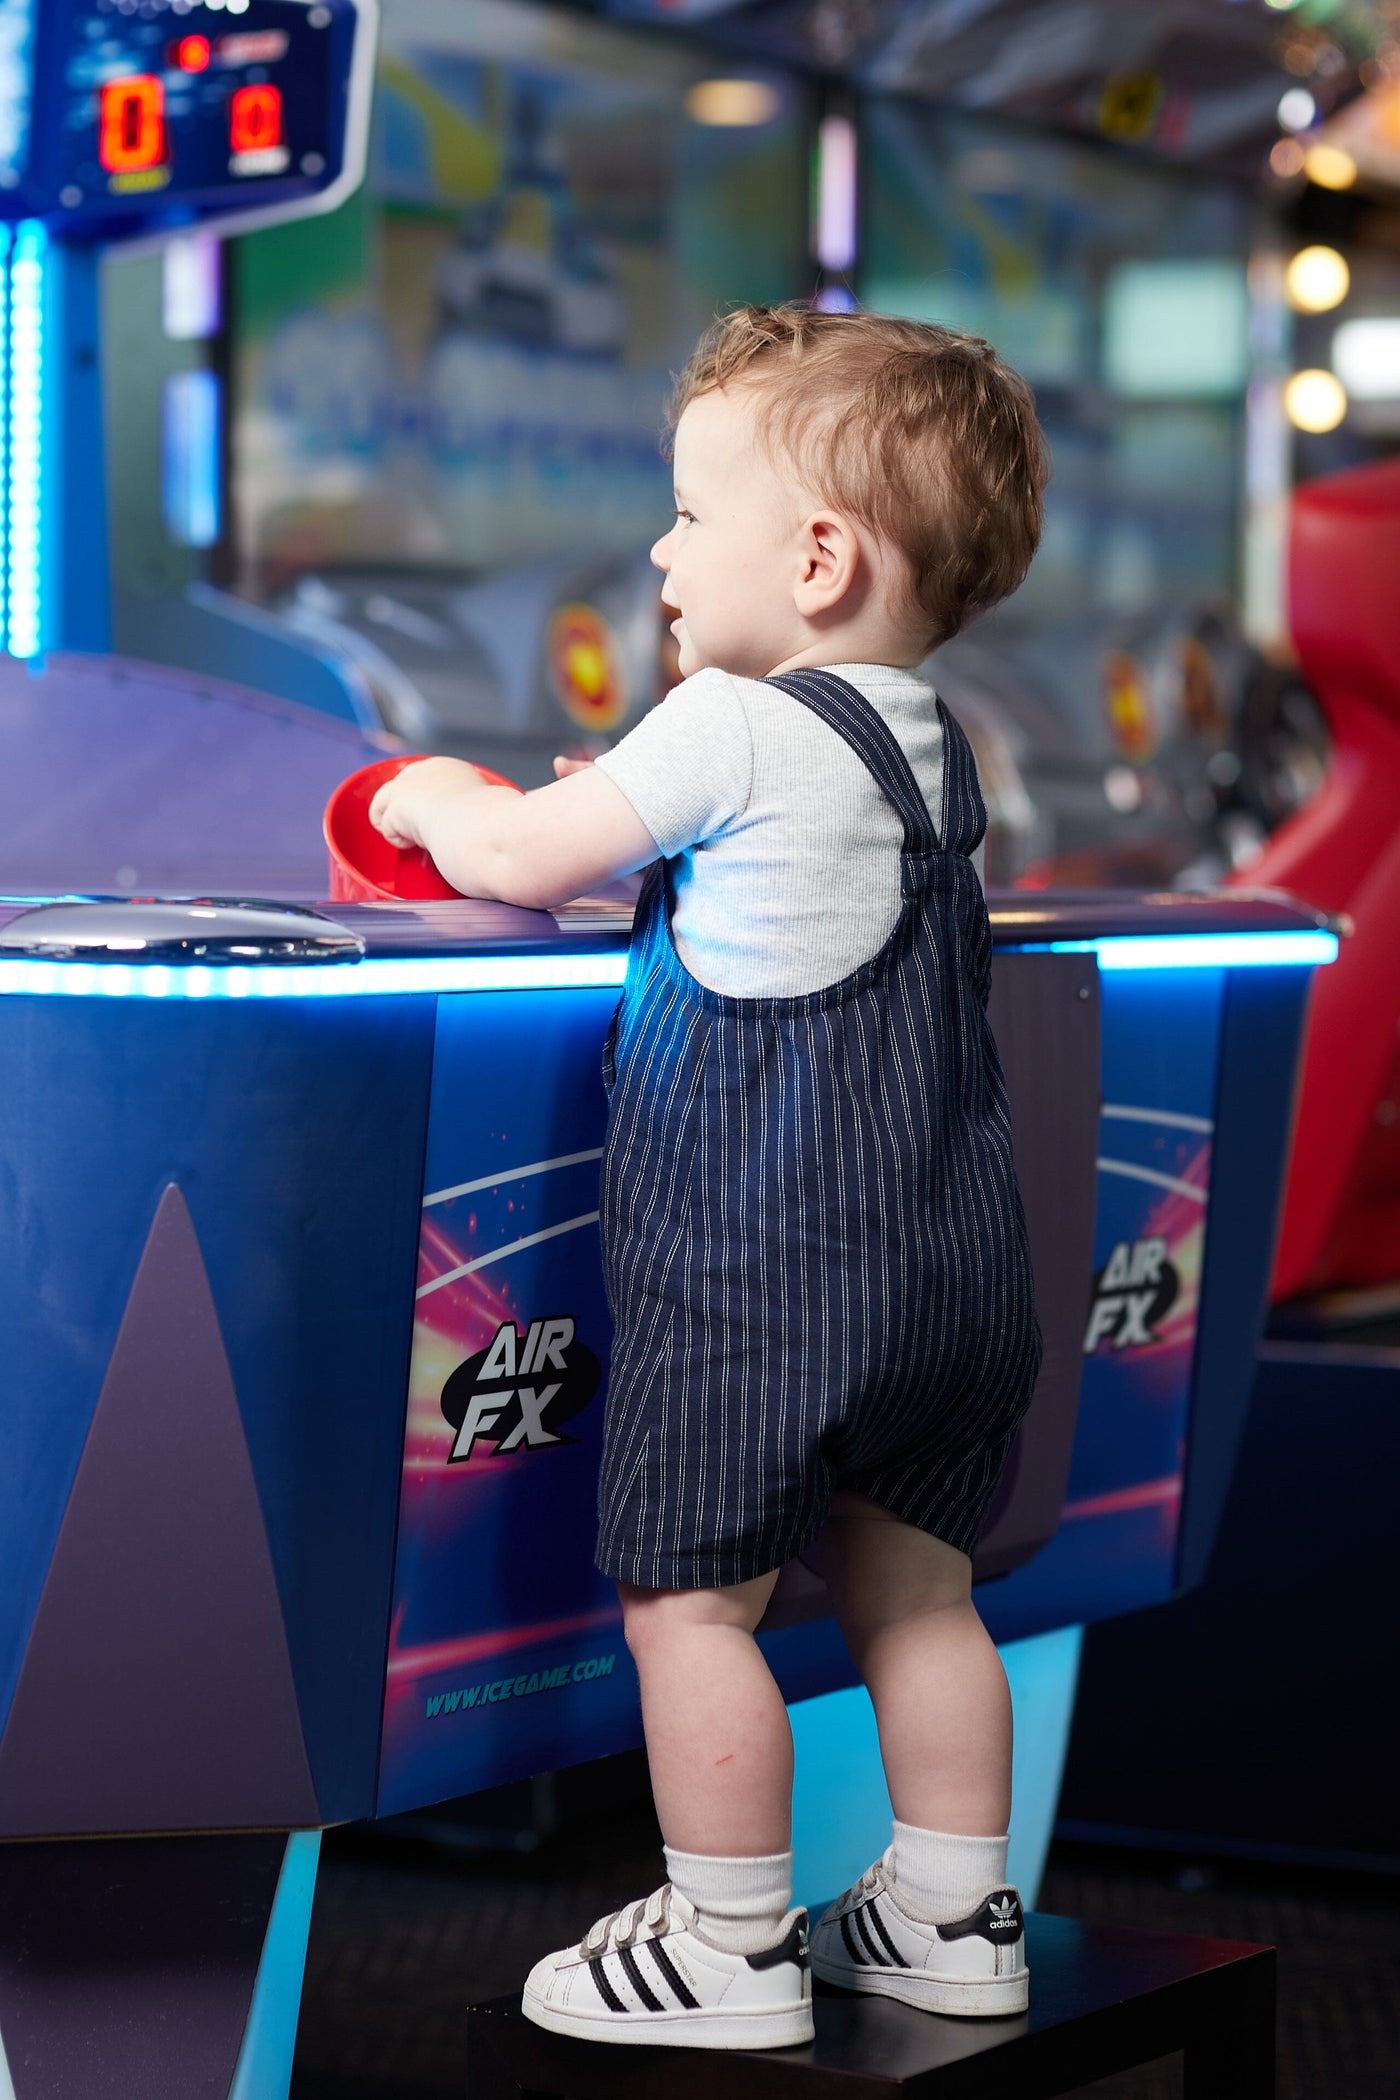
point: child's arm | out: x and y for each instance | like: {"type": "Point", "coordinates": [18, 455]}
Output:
{"type": "Point", "coordinates": [538, 849]}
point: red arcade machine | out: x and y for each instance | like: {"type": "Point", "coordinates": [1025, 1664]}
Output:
{"type": "Point", "coordinates": [1341, 1223]}
{"type": "Point", "coordinates": [1228, 1721]}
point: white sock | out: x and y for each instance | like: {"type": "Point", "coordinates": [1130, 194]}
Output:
{"type": "Point", "coordinates": [741, 1902]}
{"type": "Point", "coordinates": [940, 1876]}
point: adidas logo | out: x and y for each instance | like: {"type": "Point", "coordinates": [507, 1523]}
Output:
{"type": "Point", "coordinates": [1003, 1916]}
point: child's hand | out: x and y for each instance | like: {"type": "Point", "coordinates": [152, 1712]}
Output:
{"type": "Point", "coordinates": [536, 850]}
{"type": "Point", "coordinates": [400, 808]}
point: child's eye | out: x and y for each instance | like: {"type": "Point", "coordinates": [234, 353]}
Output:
{"type": "Point", "coordinates": [684, 515]}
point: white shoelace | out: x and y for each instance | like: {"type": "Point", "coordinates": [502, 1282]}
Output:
{"type": "Point", "coordinates": [865, 1886]}
{"type": "Point", "coordinates": [871, 1881]}
{"type": "Point", "coordinates": [621, 1927]}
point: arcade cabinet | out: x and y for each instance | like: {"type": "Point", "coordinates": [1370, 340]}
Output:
{"type": "Point", "coordinates": [1227, 1722]}
{"type": "Point", "coordinates": [1341, 1218]}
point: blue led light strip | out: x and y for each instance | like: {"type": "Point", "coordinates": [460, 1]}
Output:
{"type": "Point", "coordinates": [24, 430]}
{"type": "Point", "coordinates": [1202, 951]}
{"type": "Point", "coordinates": [390, 976]}
{"type": "Point", "coordinates": [385, 977]}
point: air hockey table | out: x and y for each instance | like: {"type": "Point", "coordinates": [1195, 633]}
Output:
{"type": "Point", "coordinates": [305, 1342]}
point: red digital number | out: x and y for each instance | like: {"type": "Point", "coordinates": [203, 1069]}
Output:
{"type": "Point", "coordinates": [255, 118]}
{"type": "Point", "coordinates": [132, 124]}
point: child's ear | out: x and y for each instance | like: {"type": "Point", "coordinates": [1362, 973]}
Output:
{"type": "Point", "coordinates": [829, 563]}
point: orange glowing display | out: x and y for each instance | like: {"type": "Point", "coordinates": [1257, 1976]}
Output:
{"type": "Point", "coordinates": [255, 118]}
{"type": "Point", "coordinates": [192, 54]}
{"type": "Point", "coordinates": [132, 124]}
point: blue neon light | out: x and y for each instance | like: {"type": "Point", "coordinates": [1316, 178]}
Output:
{"type": "Point", "coordinates": [383, 977]}
{"type": "Point", "coordinates": [23, 519]}
{"type": "Point", "coordinates": [16, 88]}
{"type": "Point", "coordinates": [191, 445]}
{"type": "Point", "coordinates": [1202, 951]}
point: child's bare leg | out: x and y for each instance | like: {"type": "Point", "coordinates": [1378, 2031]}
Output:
{"type": "Point", "coordinates": [719, 1959]}
{"type": "Point", "coordinates": [720, 1751]}
{"type": "Point", "coordinates": [934, 1676]}
{"type": "Point", "coordinates": [718, 1740]}
{"type": "Point", "coordinates": [933, 1923]}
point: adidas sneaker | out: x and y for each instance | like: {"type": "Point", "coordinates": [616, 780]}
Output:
{"type": "Point", "coordinates": [646, 1975]}
{"type": "Point", "coordinates": [976, 1966]}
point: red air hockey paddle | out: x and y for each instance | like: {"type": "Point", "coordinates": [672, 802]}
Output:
{"type": "Point", "coordinates": [365, 868]}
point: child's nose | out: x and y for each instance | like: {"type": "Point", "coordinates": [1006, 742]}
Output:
{"type": "Point", "coordinates": [661, 552]}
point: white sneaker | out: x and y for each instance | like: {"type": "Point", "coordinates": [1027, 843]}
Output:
{"type": "Point", "coordinates": [976, 1966]}
{"type": "Point", "coordinates": [645, 1975]}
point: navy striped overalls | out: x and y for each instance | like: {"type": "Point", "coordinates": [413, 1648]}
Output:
{"type": "Point", "coordinates": [813, 1241]}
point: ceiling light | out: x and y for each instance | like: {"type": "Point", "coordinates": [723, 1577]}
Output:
{"type": "Point", "coordinates": [732, 102]}
{"type": "Point", "coordinates": [1317, 279]}
{"type": "Point", "coordinates": [1314, 401]}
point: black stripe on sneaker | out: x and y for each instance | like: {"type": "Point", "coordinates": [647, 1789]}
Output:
{"type": "Point", "coordinates": [638, 1981]}
{"type": "Point", "coordinates": [605, 1990]}
{"type": "Point", "coordinates": [858, 1919]}
{"type": "Point", "coordinates": [851, 1948]}
{"type": "Point", "coordinates": [873, 1915]}
{"type": "Point", "coordinates": [672, 1974]}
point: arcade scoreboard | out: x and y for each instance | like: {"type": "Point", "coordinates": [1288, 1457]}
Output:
{"type": "Point", "coordinates": [123, 120]}
{"type": "Point", "coordinates": [116, 120]}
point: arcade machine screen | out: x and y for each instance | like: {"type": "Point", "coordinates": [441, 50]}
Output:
{"type": "Point", "coordinates": [114, 118]}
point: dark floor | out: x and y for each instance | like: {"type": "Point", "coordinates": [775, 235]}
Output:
{"type": "Point", "coordinates": [405, 1935]}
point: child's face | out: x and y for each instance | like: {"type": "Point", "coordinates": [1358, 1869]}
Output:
{"type": "Point", "coordinates": [731, 558]}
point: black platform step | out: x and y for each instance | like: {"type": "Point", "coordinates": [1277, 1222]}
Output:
{"type": "Point", "coordinates": [1103, 1999]}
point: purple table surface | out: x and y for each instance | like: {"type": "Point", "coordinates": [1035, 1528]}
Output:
{"type": "Point", "coordinates": [119, 777]}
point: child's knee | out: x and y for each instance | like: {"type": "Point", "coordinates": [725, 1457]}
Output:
{"type": "Point", "coordinates": [651, 1618]}
{"type": "Point", "coordinates": [641, 1617]}
{"type": "Point", "coordinates": [882, 1574]}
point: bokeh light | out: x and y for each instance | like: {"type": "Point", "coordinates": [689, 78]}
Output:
{"type": "Point", "coordinates": [1287, 158]}
{"type": "Point", "coordinates": [1329, 167]}
{"type": "Point", "coordinates": [732, 102]}
{"type": "Point", "coordinates": [1315, 401]}
{"type": "Point", "coordinates": [1296, 109]}
{"type": "Point", "coordinates": [1366, 357]}
{"type": "Point", "coordinates": [1316, 280]}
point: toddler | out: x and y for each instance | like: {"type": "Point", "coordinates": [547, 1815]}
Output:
{"type": "Point", "coordinates": [813, 1243]}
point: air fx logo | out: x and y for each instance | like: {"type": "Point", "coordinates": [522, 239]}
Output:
{"type": "Point", "coordinates": [517, 1393]}
{"type": "Point", "coordinates": [1133, 1293]}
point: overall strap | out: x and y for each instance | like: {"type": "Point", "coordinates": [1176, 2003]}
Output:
{"type": "Point", "coordinates": [964, 823]}
{"type": "Point", "coordinates": [864, 728]}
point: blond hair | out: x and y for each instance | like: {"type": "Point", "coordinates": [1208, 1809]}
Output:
{"type": "Point", "coordinates": [920, 433]}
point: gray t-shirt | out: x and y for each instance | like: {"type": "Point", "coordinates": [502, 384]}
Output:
{"type": "Point", "coordinates": [789, 853]}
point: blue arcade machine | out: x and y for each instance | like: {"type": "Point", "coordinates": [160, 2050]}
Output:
{"type": "Point", "coordinates": [119, 124]}
{"type": "Point", "coordinates": [300, 1305]}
